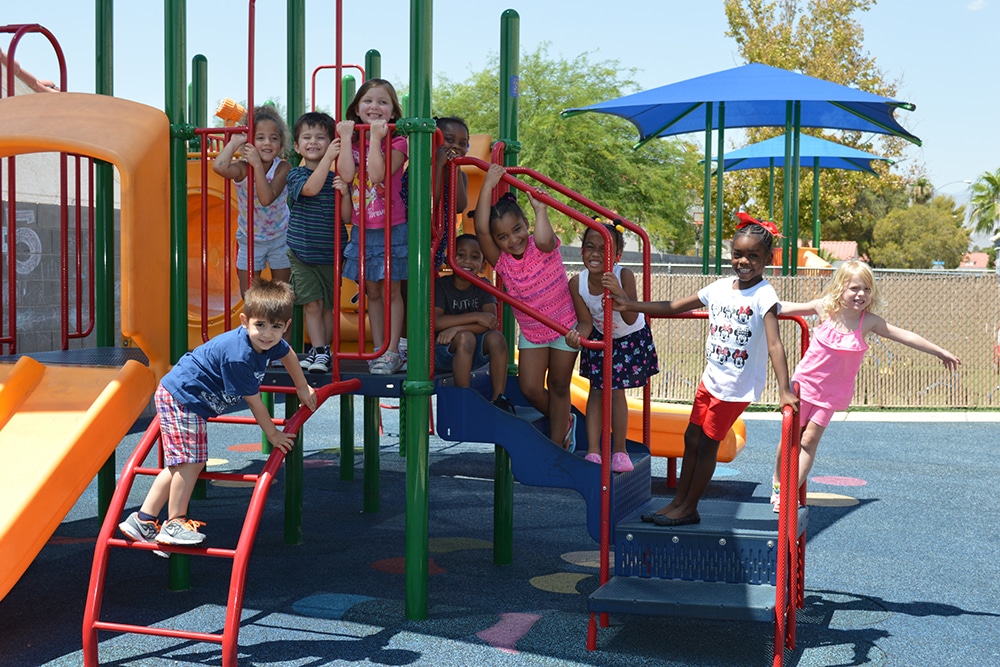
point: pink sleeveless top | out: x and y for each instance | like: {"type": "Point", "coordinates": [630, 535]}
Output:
{"type": "Point", "coordinates": [827, 370]}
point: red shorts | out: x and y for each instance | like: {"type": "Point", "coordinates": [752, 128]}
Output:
{"type": "Point", "coordinates": [713, 415]}
{"type": "Point", "coordinates": [183, 434]}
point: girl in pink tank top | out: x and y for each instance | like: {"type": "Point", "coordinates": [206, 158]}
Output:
{"type": "Point", "coordinates": [827, 370]}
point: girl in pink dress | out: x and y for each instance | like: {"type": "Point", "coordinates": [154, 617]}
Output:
{"type": "Point", "coordinates": [827, 370]}
{"type": "Point", "coordinates": [533, 273]}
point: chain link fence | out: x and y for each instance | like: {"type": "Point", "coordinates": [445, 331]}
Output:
{"type": "Point", "coordinates": [960, 311]}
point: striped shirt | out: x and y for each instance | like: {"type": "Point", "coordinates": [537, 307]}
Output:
{"type": "Point", "coordinates": [311, 226]}
{"type": "Point", "coordinates": [538, 280]}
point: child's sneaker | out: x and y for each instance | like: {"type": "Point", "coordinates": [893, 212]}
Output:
{"type": "Point", "coordinates": [321, 361]}
{"type": "Point", "coordinates": [181, 532]}
{"type": "Point", "coordinates": [138, 530]}
{"type": "Point", "coordinates": [620, 462]}
{"type": "Point", "coordinates": [309, 359]}
{"type": "Point", "coordinates": [776, 496]}
{"type": "Point", "coordinates": [387, 364]}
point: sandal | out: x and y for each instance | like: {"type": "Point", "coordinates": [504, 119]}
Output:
{"type": "Point", "coordinates": [569, 441]}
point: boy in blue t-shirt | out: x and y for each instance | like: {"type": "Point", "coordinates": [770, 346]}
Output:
{"type": "Point", "coordinates": [203, 384]}
{"type": "Point", "coordinates": [313, 228]}
{"type": "Point", "coordinates": [465, 324]}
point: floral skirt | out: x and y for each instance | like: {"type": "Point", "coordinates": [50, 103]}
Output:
{"type": "Point", "coordinates": [634, 360]}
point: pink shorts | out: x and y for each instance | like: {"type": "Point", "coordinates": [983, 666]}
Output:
{"type": "Point", "coordinates": [183, 434]}
{"type": "Point", "coordinates": [810, 412]}
{"type": "Point", "coordinates": [713, 415]}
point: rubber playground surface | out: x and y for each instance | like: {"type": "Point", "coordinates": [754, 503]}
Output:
{"type": "Point", "coordinates": [901, 563]}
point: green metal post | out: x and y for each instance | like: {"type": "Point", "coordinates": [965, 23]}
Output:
{"type": "Point", "coordinates": [797, 134]}
{"type": "Point", "coordinates": [770, 199]}
{"type": "Point", "coordinates": [295, 50]}
{"type": "Point", "coordinates": [373, 64]}
{"type": "Point", "coordinates": [510, 91]}
{"type": "Point", "coordinates": [347, 89]}
{"type": "Point", "coordinates": [198, 104]}
{"type": "Point", "coordinates": [786, 210]}
{"type": "Point", "coordinates": [706, 204]}
{"type": "Point", "coordinates": [718, 189]}
{"type": "Point", "coordinates": [294, 486]}
{"type": "Point", "coordinates": [175, 47]}
{"type": "Point", "coordinates": [816, 203]}
{"type": "Point", "coordinates": [372, 458]}
{"type": "Point", "coordinates": [418, 387]}
{"type": "Point", "coordinates": [347, 437]}
{"type": "Point", "coordinates": [104, 236]}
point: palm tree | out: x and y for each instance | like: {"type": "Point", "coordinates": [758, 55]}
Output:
{"type": "Point", "coordinates": [985, 202]}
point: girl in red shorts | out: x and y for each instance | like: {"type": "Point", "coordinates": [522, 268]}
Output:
{"type": "Point", "coordinates": [743, 334]}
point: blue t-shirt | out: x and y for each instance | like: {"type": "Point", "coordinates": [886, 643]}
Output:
{"type": "Point", "coordinates": [217, 375]}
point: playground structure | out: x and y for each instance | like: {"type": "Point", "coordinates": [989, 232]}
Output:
{"type": "Point", "coordinates": [164, 333]}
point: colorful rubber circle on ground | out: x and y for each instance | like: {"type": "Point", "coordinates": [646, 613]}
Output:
{"type": "Point", "coordinates": [829, 500]}
{"type": "Point", "coordinates": [560, 582]}
{"type": "Point", "coordinates": [834, 480]}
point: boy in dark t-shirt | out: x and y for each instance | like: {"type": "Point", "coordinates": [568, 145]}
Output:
{"type": "Point", "coordinates": [465, 324]}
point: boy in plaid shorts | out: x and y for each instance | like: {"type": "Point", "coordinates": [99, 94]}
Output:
{"type": "Point", "coordinates": [203, 384]}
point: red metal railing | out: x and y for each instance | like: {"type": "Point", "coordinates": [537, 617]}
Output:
{"type": "Point", "coordinates": [240, 555]}
{"type": "Point", "coordinates": [76, 270]}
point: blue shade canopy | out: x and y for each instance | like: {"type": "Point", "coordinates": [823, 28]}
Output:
{"type": "Point", "coordinates": [755, 95]}
{"type": "Point", "coordinates": [831, 155]}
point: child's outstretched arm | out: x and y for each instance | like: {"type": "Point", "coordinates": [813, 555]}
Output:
{"type": "Point", "coordinates": [626, 305]}
{"type": "Point", "coordinates": [491, 253]}
{"type": "Point", "coordinates": [345, 161]}
{"type": "Point", "coordinates": [801, 309]}
{"type": "Point", "coordinates": [225, 166]}
{"type": "Point", "coordinates": [545, 236]}
{"type": "Point", "coordinates": [878, 325]}
{"type": "Point", "coordinates": [776, 352]}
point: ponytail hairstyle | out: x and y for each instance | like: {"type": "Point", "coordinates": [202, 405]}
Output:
{"type": "Point", "coordinates": [761, 231]}
{"type": "Point", "coordinates": [506, 205]}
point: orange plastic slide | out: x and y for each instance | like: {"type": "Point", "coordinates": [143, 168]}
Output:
{"type": "Point", "coordinates": [136, 139]}
{"type": "Point", "coordinates": [58, 425]}
{"type": "Point", "coordinates": [667, 423]}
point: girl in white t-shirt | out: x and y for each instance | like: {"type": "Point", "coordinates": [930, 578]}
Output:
{"type": "Point", "coordinates": [743, 334]}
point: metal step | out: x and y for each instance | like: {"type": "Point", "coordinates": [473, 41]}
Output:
{"type": "Point", "coordinates": [690, 599]}
{"type": "Point", "coordinates": [734, 543]}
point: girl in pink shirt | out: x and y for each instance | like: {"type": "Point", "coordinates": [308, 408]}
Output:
{"type": "Point", "coordinates": [827, 370]}
{"type": "Point", "coordinates": [533, 273]}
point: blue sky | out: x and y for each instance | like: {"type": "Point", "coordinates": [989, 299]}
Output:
{"type": "Point", "coordinates": [941, 52]}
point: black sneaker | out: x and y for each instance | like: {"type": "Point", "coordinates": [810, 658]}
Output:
{"type": "Point", "coordinates": [504, 403]}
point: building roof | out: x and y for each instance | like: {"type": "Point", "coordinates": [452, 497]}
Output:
{"type": "Point", "coordinates": [841, 250]}
{"type": "Point", "coordinates": [975, 260]}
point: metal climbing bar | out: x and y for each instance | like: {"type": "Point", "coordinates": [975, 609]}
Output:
{"type": "Point", "coordinates": [240, 555]}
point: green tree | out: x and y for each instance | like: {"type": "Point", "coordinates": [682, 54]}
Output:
{"type": "Point", "coordinates": [820, 38]}
{"type": "Point", "coordinates": [591, 153]}
{"type": "Point", "coordinates": [916, 237]}
{"type": "Point", "coordinates": [984, 201]}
